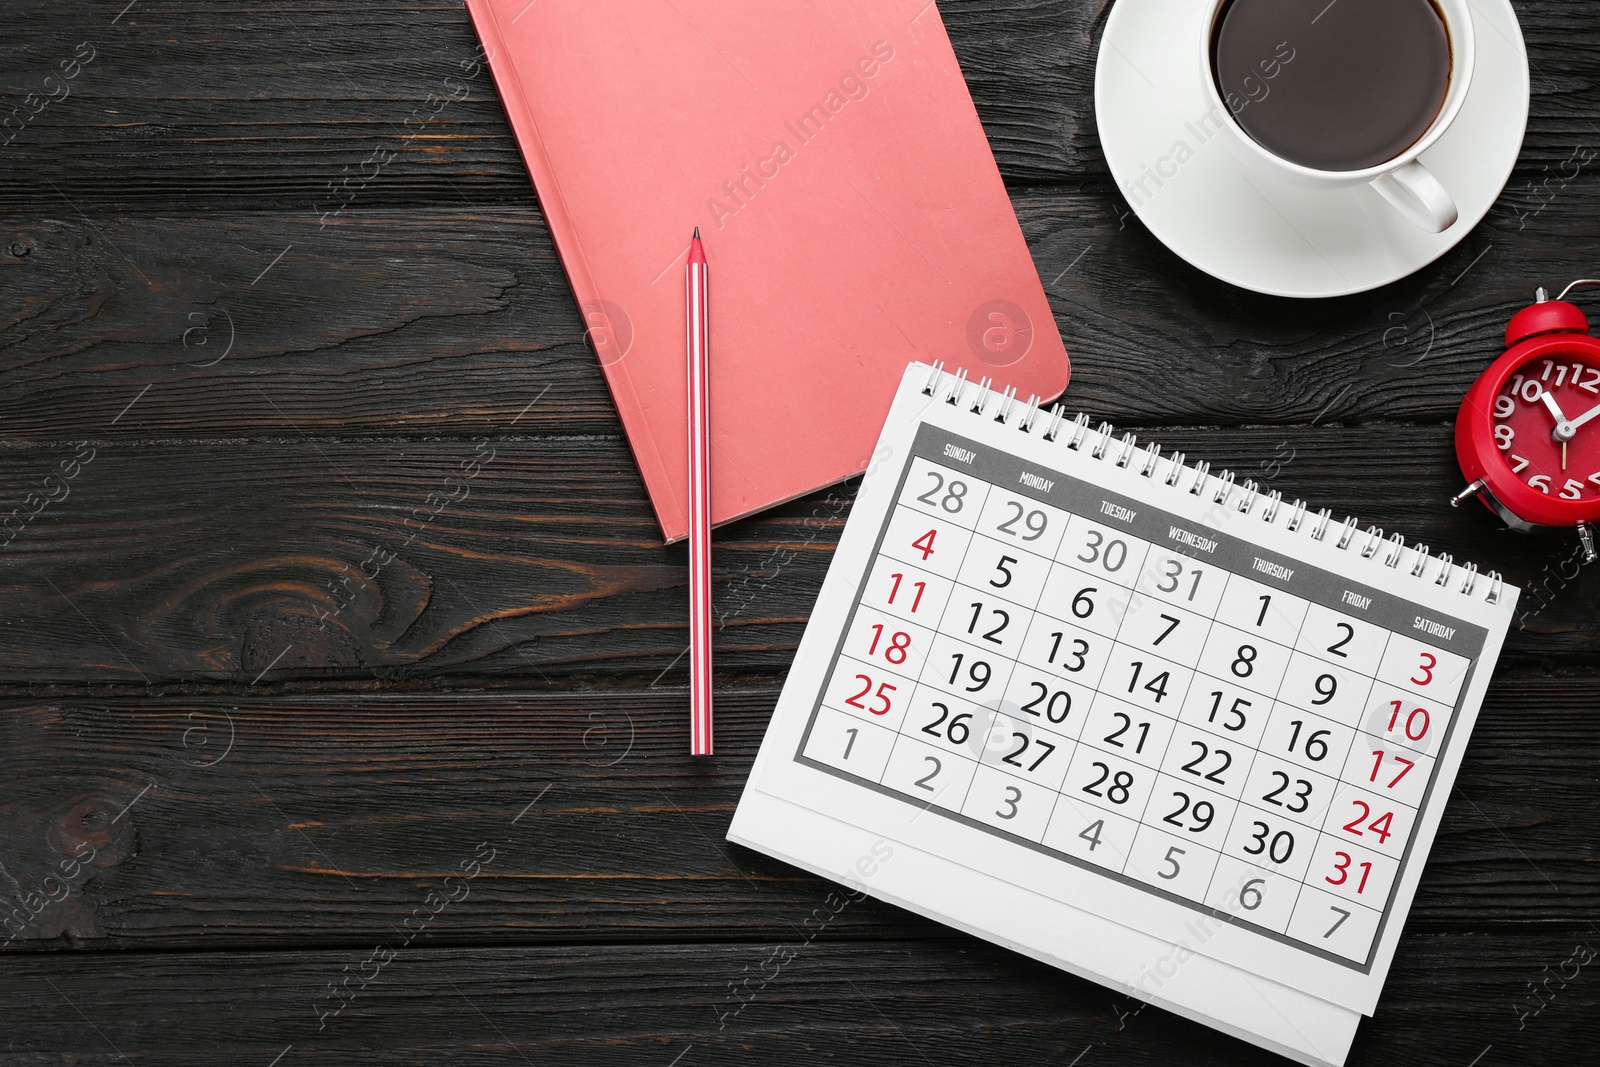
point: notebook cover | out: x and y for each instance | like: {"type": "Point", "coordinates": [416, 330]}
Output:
{"type": "Point", "coordinates": [851, 210]}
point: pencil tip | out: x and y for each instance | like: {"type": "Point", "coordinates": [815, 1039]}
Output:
{"type": "Point", "coordinates": [697, 233]}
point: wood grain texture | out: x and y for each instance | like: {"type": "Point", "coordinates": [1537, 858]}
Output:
{"type": "Point", "coordinates": [304, 820]}
{"type": "Point", "coordinates": [324, 601]}
{"type": "Point", "coordinates": [447, 322]}
{"type": "Point", "coordinates": [269, 105]}
{"type": "Point", "coordinates": [886, 1002]}
{"type": "Point", "coordinates": [391, 561]}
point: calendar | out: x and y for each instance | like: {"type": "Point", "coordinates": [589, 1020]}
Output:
{"type": "Point", "coordinates": [1050, 659]}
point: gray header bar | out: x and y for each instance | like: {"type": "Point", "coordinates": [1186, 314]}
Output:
{"type": "Point", "coordinates": [1141, 520]}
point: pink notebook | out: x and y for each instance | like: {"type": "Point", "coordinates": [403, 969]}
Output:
{"type": "Point", "coordinates": [852, 214]}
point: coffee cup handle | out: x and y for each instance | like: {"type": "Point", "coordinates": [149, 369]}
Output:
{"type": "Point", "coordinates": [1417, 194]}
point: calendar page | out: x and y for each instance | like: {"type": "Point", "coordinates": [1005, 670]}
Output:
{"type": "Point", "coordinates": [1122, 682]}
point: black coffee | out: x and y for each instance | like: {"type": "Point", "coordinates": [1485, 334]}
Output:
{"type": "Point", "coordinates": [1336, 86]}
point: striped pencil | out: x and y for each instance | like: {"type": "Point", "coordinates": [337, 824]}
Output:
{"type": "Point", "coordinates": [699, 306]}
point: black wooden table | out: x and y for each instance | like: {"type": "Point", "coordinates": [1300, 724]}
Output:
{"type": "Point", "coordinates": [252, 319]}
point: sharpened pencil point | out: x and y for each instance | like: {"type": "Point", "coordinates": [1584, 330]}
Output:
{"type": "Point", "coordinates": [698, 308]}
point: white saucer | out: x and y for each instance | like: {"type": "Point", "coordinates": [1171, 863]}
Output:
{"type": "Point", "coordinates": [1259, 233]}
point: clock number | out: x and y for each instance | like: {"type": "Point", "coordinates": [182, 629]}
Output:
{"type": "Point", "coordinates": [1530, 391]}
{"type": "Point", "coordinates": [1504, 406]}
{"type": "Point", "coordinates": [1517, 463]}
{"type": "Point", "coordinates": [1560, 373]}
{"type": "Point", "coordinates": [952, 499]}
{"type": "Point", "coordinates": [1573, 490]}
{"type": "Point", "coordinates": [1503, 436]}
{"type": "Point", "coordinates": [1036, 529]}
{"type": "Point", "coordinates": [1591, 384]}
{"type": "Point", "coordinates": [1540, 482]}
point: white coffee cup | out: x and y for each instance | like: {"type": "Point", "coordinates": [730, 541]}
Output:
{"type": "Point", "coordinates": [1403, 180]}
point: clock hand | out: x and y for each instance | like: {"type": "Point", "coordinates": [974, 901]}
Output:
{"type": "Point", "coordinates": [1555, 409]}
{"type": "Point", "coordinates": [1592, 413]}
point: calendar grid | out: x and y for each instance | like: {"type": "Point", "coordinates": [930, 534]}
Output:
{"type": "Point", "coordinates": [957, 541]}
{"type": "Point", "coordinates": [1060, 794]}
{"type": "Point", "coordinates": [1341, 784]}
{"type": "Point", "coordinates": [918, 685]}
{"type": "Point", "coordinates": [1210, 625]}
{"type": "Point", "coordinates": [1255, 751]}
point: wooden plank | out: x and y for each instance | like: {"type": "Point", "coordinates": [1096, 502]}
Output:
{"type": "Point", "coordinates": [414, 323]}
{"type": "Point", "coordinates": [355, 561]}
{"type": "Point", "coordinates": [438, 321]}
{"type": "Point", "coordinates": [274, 104]}
{"type": "Point", "coordinates": [306, 820]}
{"type": "Point", "coordinates": [197, 179]}
{"type": "Point", "coordinates": [885, 1002]}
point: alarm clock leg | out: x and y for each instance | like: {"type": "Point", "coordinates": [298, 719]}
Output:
{"type": "Point", "coordinates": [1586, 539]}
{"type": "Point", "coordinates": [1468, 493]}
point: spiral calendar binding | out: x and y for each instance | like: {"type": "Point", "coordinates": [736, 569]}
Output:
{"type": "Point", "coordinates": [1222, 487]}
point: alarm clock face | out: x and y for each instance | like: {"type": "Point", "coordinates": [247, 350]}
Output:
{"type": "Point", "coordinates": [1547, 426]}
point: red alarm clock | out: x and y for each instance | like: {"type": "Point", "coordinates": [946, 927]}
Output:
{"type": "Point", "coordinates": [1528, 433]}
